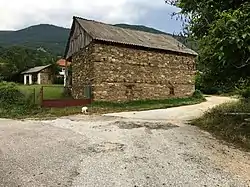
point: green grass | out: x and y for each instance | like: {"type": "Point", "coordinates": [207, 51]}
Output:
{"type": "Point", "coordinates": [232, 128]}
{"type": "Point", "coordinates": [49, 91]}
{"type": "Point", "coordinates": [36, 112]}
{"type": "Point", "coordinates": [102, 106]}
{"type": "Point", "coordinates": [97, 107]}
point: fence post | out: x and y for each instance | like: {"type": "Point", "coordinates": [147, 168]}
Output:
{"type": "Point", "coordinates": [34, 95]}
{"type": "Point", "coordinates": [41, 96]}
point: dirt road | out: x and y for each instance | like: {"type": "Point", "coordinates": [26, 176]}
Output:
{"type": "Point", "coordinates": [112, 151]}
{"type": "Point", "coordinates": [181, 114]}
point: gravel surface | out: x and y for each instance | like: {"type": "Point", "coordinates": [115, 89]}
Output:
{"type": "Point", "coordinates": [182, 113]}
{"type": "Point", "coordinates": [104, 151]}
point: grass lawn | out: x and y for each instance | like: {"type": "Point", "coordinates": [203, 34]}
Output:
{"type": "Point", "coordinates": [232, 128]}
{"type": "Point", "coordinates": [50, 91]}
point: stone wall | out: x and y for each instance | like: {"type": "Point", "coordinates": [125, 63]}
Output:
{"type": "Point", "coordinates": [120, 74]}
{"type": "Point", "coordinates": [46, 76]}
{"type": "Point", "coordinates": [82, 71]}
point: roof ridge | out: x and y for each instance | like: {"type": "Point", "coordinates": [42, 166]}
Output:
{"type": "Point", "coordinates": [129, 36]}
{"type": "Point", "coordinates": [168, 34]}
{"type": "Point", "coordinates": [121, 28]}
{"type": "Point", "coordinates": [76, 17]}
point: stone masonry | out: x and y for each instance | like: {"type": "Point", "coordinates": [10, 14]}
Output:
{"type": "Point", "coordinates": [120, 73]}
{"type": "Point", "coordinates": [46, 76]}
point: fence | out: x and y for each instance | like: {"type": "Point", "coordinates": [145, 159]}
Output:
{"type": "Point", "coordinates": [59, 97]}
{"type": "Point", "coordinates": [31, 94]}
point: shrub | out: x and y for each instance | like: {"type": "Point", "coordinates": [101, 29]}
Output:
{"type": "Point", "coordinates": [198, 94]}
{"type": "Point", "coordinates": [199, 81]}
{"type": "Point", "coordinates": [10, 94]}
{"type": "Point", "coordinates": [232, 128]}
{"type": "Point", "coordinates": [243, 88]}
{"type": "Point", "coordinates": [59, 80]}
{"type": "Point", "coordinates": [245, 92]}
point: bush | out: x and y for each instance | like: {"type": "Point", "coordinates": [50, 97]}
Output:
{"type": "Point", "coordinates": [198, 81]}
{"type": "Point", "coordinates": [232, 128]}
{"type": "Point", "coordinates": [245, 92]}
{"type": "Point", "coordinates": [59, 80]}
{"type": "Point", "coordinates": [204, 85]}
{"type": "Point", "coordinates": [10, 94]}
{"type": "Point", "coordinates": [198, 94]}
{"type": "Point", "coordinates": [209, 86]}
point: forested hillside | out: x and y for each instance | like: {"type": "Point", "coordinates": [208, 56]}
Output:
{"type": "Point", "coordinates": [49, 37]}
{"type": "Point", "coordinates": [53, 39]}
{"type": "Point", "coordinates": [14, 60]}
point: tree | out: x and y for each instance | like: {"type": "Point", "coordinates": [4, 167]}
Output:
{"type": "Point", "coordinates": [222, 29]}
{"type": "Point", "coordinates": [14, 60]}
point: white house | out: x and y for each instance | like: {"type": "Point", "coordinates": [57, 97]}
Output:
{"type": "Point", "coordinates": [62, 64]}
{"type": "Point", "coordinates": [38, 75]}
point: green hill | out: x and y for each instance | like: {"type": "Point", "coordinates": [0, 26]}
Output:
{"type": "Point", "coordinates": [49, 37]}
{"type": "Point", "coordinates": [53, 38]}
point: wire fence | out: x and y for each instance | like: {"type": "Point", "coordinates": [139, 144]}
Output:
{"type": "Point", "coordinates": [31, 95]}
{"type": "Point", "coordinates": [36, 94]}
{"type": "Point", "coordinates": [54, 96]}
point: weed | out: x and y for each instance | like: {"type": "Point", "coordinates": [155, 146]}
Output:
{"type": "Point", "coordinates": [232, 128]}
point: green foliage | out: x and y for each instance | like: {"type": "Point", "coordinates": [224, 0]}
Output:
{"type": "Point", "coordinates": [243, 88]}
{"type": "Point", "coordinates": [59, 80]}
{"type": "Point", "coordinates": [14, 60]}
{"type": "Point", "coordinates": [198, 81]}
{"type": "Point", "coordinates": [207, 86]}
{"type": "Point", "coordinates": [198, 95]}
{"type": "Point", "coordinates": [245, 92]}
{"type": "Point", "coordinates": [222, 29]}
{"type": "Point", "coordinates": [225, 52]}
{"type": "Point", "coordinates": [10, 95]}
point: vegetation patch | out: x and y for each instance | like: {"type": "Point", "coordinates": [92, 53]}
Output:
{"type": "Point", "coordinates": [29, 109]}
{"type": "Point", "coordinates": [140, 105]}
{"type": "Point", "coordinates": [49, 91]}
{"type": "Point", "coordinates": [228, 121]}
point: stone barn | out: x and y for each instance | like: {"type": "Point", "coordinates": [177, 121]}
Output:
{"type": "Point", "coordinates": [123, 64]}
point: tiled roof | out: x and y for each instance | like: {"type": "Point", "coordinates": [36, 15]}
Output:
{"type": "Point", "coordinates": [62, 63]}
{"type": "Point", "coordinates": [105, 32]}
{"type": "Point", "coordinates": [36, 69]}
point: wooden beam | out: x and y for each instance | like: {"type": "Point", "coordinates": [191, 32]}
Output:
{"type": "Point", "coordinates": [66, 74]}
{"type": "Point", "coordinates": [237, 114]}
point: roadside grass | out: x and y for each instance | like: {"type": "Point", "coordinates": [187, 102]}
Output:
{"type": "Point", "coordinates": [36, 112]}
{"type": "Point", "coordinates": [232, 128]}
{"type": "Point", "coordinates": [98, 107]}
{"type": "Point", "coordinates": [140, 105]}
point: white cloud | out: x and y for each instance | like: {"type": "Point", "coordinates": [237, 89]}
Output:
{"type": "Point", "coordinates": [16, 14]}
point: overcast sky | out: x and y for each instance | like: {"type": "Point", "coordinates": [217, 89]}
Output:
{"type": "Point", "coordinates": [18, 14]}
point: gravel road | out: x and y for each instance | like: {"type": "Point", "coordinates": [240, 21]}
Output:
{"type": "Point", "coordinates": [106, 151]}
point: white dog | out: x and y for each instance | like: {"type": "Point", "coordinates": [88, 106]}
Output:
{"type": "Point", "coordinates": [85, 110]}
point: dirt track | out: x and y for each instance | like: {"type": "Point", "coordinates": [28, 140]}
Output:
{"type": "Point", "coordinates": [111, 151]}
